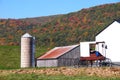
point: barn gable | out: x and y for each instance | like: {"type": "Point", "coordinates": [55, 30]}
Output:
{"type": "Point", "coordinates": [59, 56]}
{"type": "Point", "coordinates": [111, 37]}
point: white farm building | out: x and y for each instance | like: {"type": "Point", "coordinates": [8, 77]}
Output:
{"type": "Point", "coordinates": [110, 36]}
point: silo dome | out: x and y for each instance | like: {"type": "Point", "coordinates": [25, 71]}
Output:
{"type": "Point", "coordinates": [26, 35]}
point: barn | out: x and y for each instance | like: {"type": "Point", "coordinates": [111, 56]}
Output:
{"type": "Point", "coordinates": [60, 56]}
{"type": "Point", "coordinates": [110, 35]}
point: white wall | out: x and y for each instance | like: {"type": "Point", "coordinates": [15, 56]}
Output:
{"type": "Point", "coordinates": [112, 39]}
{"type": "Point", "coordinates": [84, 49]}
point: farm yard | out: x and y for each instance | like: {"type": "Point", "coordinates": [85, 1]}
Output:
{"type": "Point", "coordinates": [62, 73]}
{"type": "Point", "coordinates": [10, 69]}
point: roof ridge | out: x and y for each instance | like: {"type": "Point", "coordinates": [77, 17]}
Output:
{"type": "Point", "coordinates": [49, 52]}
{"type": "Point", "coordinates": [68, 46]}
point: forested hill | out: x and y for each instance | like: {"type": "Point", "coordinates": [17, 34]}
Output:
{"type": "Point", "coordinates": [60, 30]}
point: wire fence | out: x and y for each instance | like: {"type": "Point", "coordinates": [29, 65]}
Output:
{"type": "Point", "coordinates": [76, 62]}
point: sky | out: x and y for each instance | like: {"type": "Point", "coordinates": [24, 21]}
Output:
{"type": "Point", "coordinates": [37, 8]}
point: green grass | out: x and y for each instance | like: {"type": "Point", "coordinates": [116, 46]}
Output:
{"type": "Point", "coordinates": [47, 77]}
{"type": "Point", "coordinates": [10, 56]}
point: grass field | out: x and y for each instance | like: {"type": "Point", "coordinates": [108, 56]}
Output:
{"type": "Point", "coordinates": [46, 77]}
{"type": "Point", "coordinates": [10, 56]}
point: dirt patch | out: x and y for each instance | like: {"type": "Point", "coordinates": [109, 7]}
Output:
{"type": "Point", "coordinates": [101, 72]}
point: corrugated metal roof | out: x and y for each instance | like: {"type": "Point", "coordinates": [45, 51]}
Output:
{"type": "Point", "coordinates": [57, 51]}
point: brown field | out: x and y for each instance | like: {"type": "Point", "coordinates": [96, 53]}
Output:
{"type": "Point", "coordinates": [67, 71]}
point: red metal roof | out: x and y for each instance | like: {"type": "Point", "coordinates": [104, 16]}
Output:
{"type": "Point", "coordinates": [56, 52]}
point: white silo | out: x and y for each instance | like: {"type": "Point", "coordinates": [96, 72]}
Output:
{"type": "Point", "coordinates": [27, 51]}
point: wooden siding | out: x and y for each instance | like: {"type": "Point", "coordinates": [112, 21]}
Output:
{"type": "Point", "coordinates": [47, 63]}
{"type": "Point", "coordinates": [70, 58]}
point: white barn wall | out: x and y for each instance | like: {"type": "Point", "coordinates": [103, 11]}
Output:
{"type": "Point", "coordinates": [112, 39]}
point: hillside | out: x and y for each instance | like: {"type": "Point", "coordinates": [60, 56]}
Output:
{"type": "Point", "coordinates": [60, 29]}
